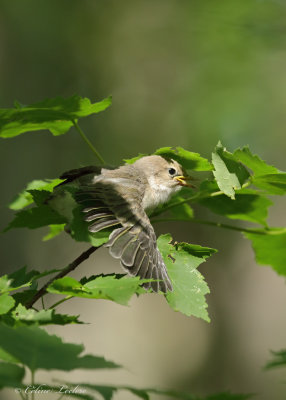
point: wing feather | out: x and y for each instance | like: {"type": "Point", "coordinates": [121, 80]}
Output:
{"type": "Point", "coordinates": [134, 241]}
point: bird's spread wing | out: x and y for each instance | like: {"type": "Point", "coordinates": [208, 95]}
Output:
{"type": "Point", "coordinates": [116, 203]}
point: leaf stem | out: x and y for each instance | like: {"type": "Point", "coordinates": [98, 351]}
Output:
{"type": "Point", "coordinates": [87, 141]}
{"type": "Point", "coordinates": [22, 396]}
{"type": "Point", "coordinates": [60, 302]}
{"type": "Point", "coordinates": [33, 383]}
{"type": "Point", "coordinates": [43, 303]}
{"type": "Point", "coordinates": [178, 203]}
{"type": "Point", "coordinates": [216, 224]}
{"type": "Point", "coordinates": [41, 292]}
{"type": "Point", "coordinates": [195, 197]}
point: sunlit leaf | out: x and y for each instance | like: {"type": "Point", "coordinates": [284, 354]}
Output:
{"type": "Point", "coordinates": [269, 247]}
{"type": "Point", "coordinates": [55, 115]}
{"type": "Point", "coordinates": [42, 317]}
{"type": "Point", "coordinates": [189, 286]}
{"type": "Point", "coordinates": [252, 161]}
{"type": "Point", "coordinates": [229, 173]}
{"type": "Point", "coordinates": [109, 287]}
{"type": "Point", "coordinates": [187, 159]}
{"type": "Point", "coordinates": [24, 198]}
{"type": "Point", "coordinates": [16, 280]}
{"type": "Point", "coordinates": [6, 303]}
{"type": "Point", "coordinates": [132, 160]}
{"type": "Point", "coordinates": [55, 230]}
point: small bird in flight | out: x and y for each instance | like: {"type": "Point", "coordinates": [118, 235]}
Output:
{"type": "Point", "coordinates": [122, 199]}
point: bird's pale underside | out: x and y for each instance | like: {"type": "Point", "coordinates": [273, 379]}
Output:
{"type": "Point", "coordinates": [121, 199]}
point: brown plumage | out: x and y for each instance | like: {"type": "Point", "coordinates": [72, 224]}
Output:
{"type": "Point", "coordinates": [121, 199]}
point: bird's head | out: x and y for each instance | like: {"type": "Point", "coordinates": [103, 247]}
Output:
{"type": "Point", "coordinates": [163, 174]}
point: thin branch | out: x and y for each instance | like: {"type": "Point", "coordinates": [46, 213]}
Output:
{"type": "Point", "coordinates": [60, 302]}
{"type": "Point", "coordinates": [43, 303]}
{"type": "Point", "coordinates": [178, 203]}
{"type": "Point", "coordinates": [195, 197]}
{"type": "Point", "coordinates": [219, 225]}
{"type": "Point", "coordinates": [84, 256]}
{"type": "Point", "coordinates": [21, 394]}
{"type": "Point", "coordinates": [88, 142]}
{"type": "Point", "coordinates": [33, 383]}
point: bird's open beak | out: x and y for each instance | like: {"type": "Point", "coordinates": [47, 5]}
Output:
{"type": "Point", "coordinates": [182, 180]}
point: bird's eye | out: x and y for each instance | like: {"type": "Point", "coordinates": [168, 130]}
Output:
{"type": "Point", "coordinates": [172, 171]}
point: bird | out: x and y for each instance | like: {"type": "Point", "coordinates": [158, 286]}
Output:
{"type": "Point", "coordinates": [123, 199]}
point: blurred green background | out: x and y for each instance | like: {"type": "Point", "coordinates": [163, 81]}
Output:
{"type": "Point", "coordinates": [182, 73]}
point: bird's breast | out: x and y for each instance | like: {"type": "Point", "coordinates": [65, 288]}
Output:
{"type": "Point", "coordinates": [156, 194]}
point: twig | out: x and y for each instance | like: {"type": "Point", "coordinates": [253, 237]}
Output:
{"type": "Point", "coordinates": [196, 197]}
{"type": "Point", "coordinates": [60, 302]}
{"type": "Point", "coordinates": [88, 142]}
{"type": "Point", "coordinates": [84, 256]}
{"type": "Point", "coordinates": [225, 226]}
{"type": "Point", "coordinates": [33, 383]}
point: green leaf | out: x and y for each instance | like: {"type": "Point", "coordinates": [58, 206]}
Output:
{"type": "Point", "coordinates": [79, 230]}
{"type": "Point", "coordinates": [187, 159]}
{"type": "Point", "coordinates": [132, 160]}
{"type": "Point", "coordinates": [55, 230]}
{"type": "Point", "coordinates": [43, 317]}
{"type": "Point", "coordinates": [25, 296]}
{"type": "Point", "coordinates": [272, 183]}
{"type": "Point", "coordinates": [108, 287]}
{"type": "Point", "coordinates": [107, 392]}
{"type": "Point", "coordinates": [40, 196]}
{"type": "Point", "coordinates": [34, 347]}
{"type": "Point", "coordinates": [252, 161]}
{"type": "Point", "coordinates": [68, 286]}
{"type": "Point", "coordinates": [11, 375]}
{"type": "Point", "coordinates": [182, 212]}
{"type": "Point", "coordinates": [269, 247]}
{"type": "Point", "coordinates": [16, 280]}
{"type": "Point", "coordinates": [4, 356]}
{"type": "Point", "coordinates": [189, 286]}
{"type": "Point", "coordinates": [4, 284]}
{"type": "Point", "coordinates": [228, 396]}
{"type": "Point", "coordinates": [35, 217]}
{"type": "Point", "coordinates": [55, 114]}
{"type": "Point", "coordinates": [25, 198]}
{"type": "Point", "coordinates": [22, 278]}
{"type": "Point", "coordinates": [229, 173]}
{"type": "Point", "coordinates": [248, 205]}
{"type": "Point", "coordinates": [187, 396]}
{"type": "Point", "coordinates": [278, 360]}
{"type": "Point", "coordinates": [6, 303]}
